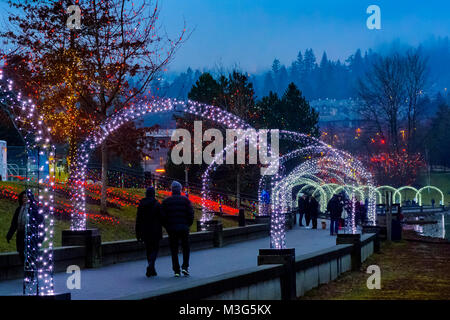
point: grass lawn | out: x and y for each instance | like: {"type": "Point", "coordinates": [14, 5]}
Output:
{"type": "Point", "coordinates": [409, 270]}
{"type": "Point", "coordinates": [110, 231]}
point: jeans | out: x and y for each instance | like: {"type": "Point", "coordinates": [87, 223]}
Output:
{"type": "Point", "coordinates": [174, 240]}
{"type": "Point", "coordinates": [300, 220]}
{"type": "Point", "coordinates": [152, 248]}
{"type": "Point", "coordinates": [334, 226]}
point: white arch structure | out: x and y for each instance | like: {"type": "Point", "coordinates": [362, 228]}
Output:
{"type": "Point", "coordinates": [419, 194]}
{"type": "Point", "coordinates": [214, 114]}
{"type": "Point", "coordinates": [135, 111]}
{"type": "Point", "coordinates": [326, 196]}
{"type": "Point", "coordinates": [397, 192]}
{"type": "Point", "coordinates": [281, 191]}
{"type": "Point", "coordinates": [309, 183]}
{"type": "Point", "coordinates": [313, 148]}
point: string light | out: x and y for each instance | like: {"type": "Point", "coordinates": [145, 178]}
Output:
{"type": "Point", "coordinates": [38, 266]}
{"type": "Point", "coordinates": [135, 111]}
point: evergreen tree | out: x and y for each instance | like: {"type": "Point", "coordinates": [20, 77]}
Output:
{"type": "Point", "coordinates": [206, 90]}
{"type": "Point", "coordinates": [296, 114]}
{"type": "Point", "coordinates": [439, 135]}
{"type": "Point", "coordinates": [309, 62]}
{"type": "Point", "coordinates": [266, 110]}
{"type": "Point", "coordinates": [324, 61]}
{"type": "Point", "coordinates": [296, 69]}
{"type": "Point", "coordinates": [307, 76]}
{"type": "Point", "coordinates": [276, 65]}
{"type": "Point", "coordinates": [269, 84]}
{"type": "Point", "coordinates": [282, 80]}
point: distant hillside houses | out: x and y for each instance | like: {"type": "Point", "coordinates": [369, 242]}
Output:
{"type": "Point", "coordinates": [337, 113]}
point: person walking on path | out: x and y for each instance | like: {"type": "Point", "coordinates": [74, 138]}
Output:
{"type": "Point", "coordinates": [301, 208]}
{"type": "Point", "coordinates": [313, 210]}
{"type": "Point", "coordinates": [28, 223]}
{"type": "Point", "coordinates": [178, 216]}
{"type": "Point", "coordinates": [18, 224]}
{"type": "Point", "coordinates": [335, 207]}
{"type": "Point", "coordinates": [149, 228]}
{"type": "Point", "coordinates": [307, 211]}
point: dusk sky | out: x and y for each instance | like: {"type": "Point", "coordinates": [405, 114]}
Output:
{"type": "Point", "coordinates": [251, 33]}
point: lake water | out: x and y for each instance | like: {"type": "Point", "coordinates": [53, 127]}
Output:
{"type": "Point", "coordinates": [440, 229]}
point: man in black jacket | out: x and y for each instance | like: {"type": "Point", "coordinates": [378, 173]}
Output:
{"type": "Point", "coordinates": [301, 208]}
{"type": "Point", "coordinates": [25, 223]}
{"type": "Point", "coordinates": [18, 224]}
{"type": "Point", "coordinates": [335, 207]}
{"type": "Point", "coordinates": [312, 207]}
{"type": "Point", "coordinates": [148, 228]}
{"type": "Point", "coordinates": [178, 215]}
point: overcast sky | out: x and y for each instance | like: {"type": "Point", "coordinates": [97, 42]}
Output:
{"type": "Point", "coordinates": [251, 33]}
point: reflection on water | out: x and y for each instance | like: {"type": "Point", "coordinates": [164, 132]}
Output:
{"type": "Point", "coordinates": [440, 229]}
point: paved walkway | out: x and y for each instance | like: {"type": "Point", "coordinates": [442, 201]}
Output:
{"type": "Point", "coordinates": [128, 278]}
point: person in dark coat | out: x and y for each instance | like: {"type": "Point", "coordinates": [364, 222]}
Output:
{"type": "Point", "coordinates": [312, 207]}
{"type": "Point", "coordinates": [307, 211]}
{"type": "Point", "coordinates": [18, 225]}
{"type": "Point", "coordinates": [335, 207]}
{"type": "Point", "coordinates": [301, 208]}
{"type": "Point", "coordinates": [26, 214]}
{"type": "Point", "coordinates": [178, 216]}
{"type": "Point", "coordinates": [149, 228]}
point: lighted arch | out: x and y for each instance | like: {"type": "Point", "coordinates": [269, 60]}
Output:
{"type": "Point", "coordinates": [329, 191]}
{"type": "Point", "coordinates": [377, 192]}
{"type": "Point", "coordinates": [277, 217]}
{"type": "Point", "coordinates": [390, 188]}
{"type": "Point", "coordinates": [281, 190]}
{"type": "Point", "coordinates": [320, 149]}
{"type": "Point", "coordinates": [355, 188]}
{"type": "Point", "coordinates": [419, 194]}
{"type": "Point", "coordinates": [400, 195]}
{"type": "Point", "coordinates": [299, 171]}
{"type": "Point", "coordinates": [135, 111]}
{"type": "Point", "coordinates": [298, 153]}
{"type": "Point", "coordinates": [277, 233]}
{"type": "Point", "coordinates": [323, 186]}
{"type": "Point", "coordinates": [317, 187]}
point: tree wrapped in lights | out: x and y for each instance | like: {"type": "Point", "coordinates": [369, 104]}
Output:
{"type": "Point", "coordinates": [38, 264]}
{"type": "Point", "coordinates": [396, 168]}
{"type": "Point", "coordinates": [119, 40]}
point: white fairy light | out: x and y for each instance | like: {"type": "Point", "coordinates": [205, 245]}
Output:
{"type": "Point", "coordinates": [38, 279]}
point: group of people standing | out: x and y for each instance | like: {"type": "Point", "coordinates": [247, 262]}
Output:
{"type": "Point", "coordinates": [308, 207]}
{"type": "Point", "coordinates": [338, 208]}
{"type": "Point", "coordinates": [176, 215]}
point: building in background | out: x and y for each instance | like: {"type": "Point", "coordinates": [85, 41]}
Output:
{"type": "Point", "coordinates": [155, 161]}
